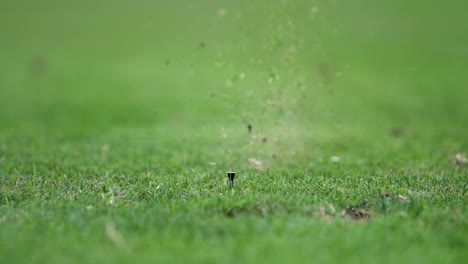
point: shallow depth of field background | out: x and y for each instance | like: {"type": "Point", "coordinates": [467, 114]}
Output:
{"type": "Point", "coordinates": [119, 120]}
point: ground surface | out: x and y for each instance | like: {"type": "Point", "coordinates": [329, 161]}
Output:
{"type": "Point", "coordinates": [118, 124]}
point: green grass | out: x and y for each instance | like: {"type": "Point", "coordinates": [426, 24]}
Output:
{"type": "Point", "coordinates": [119, 121]}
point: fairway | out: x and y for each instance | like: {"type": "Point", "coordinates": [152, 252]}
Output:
{"type": "Point", "coordinates": [345, 122]}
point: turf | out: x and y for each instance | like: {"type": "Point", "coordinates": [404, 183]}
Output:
{"type": "Point", "coordinates": [119, 121]}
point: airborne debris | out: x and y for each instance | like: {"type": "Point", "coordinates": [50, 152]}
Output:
{"type": "Point", "coordinates": [335, 159]}
{"type": "Point", "coordinates": [221, 12]}
{"type": "Point", "coordinates": [256, 163]}
{"type": "Point", "coordinates": [114, 235]}
{"type": "Point", "coordinates": [398, 131]}
{"type": "Point", "coordinates": [223, 132]}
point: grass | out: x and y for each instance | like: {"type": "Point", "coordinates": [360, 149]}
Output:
{"type": "Point", "coordinates": [119, 122]}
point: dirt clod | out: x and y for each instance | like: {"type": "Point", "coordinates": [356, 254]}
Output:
{"type": "Point", "coordinates": [356, 213]}
{"type": "Point", "coordinates": [230, 213]}
{"type": "Point", "coordinates": [460, 158]}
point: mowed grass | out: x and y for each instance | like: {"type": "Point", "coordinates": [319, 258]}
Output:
{"type": "Point", "coordinates": [119, 121]}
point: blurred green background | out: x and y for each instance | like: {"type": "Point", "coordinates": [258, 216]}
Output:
{"type": "Point", "coordinates": [73, 69]}
{"type": "Point", "coordinates": [84, 64]}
